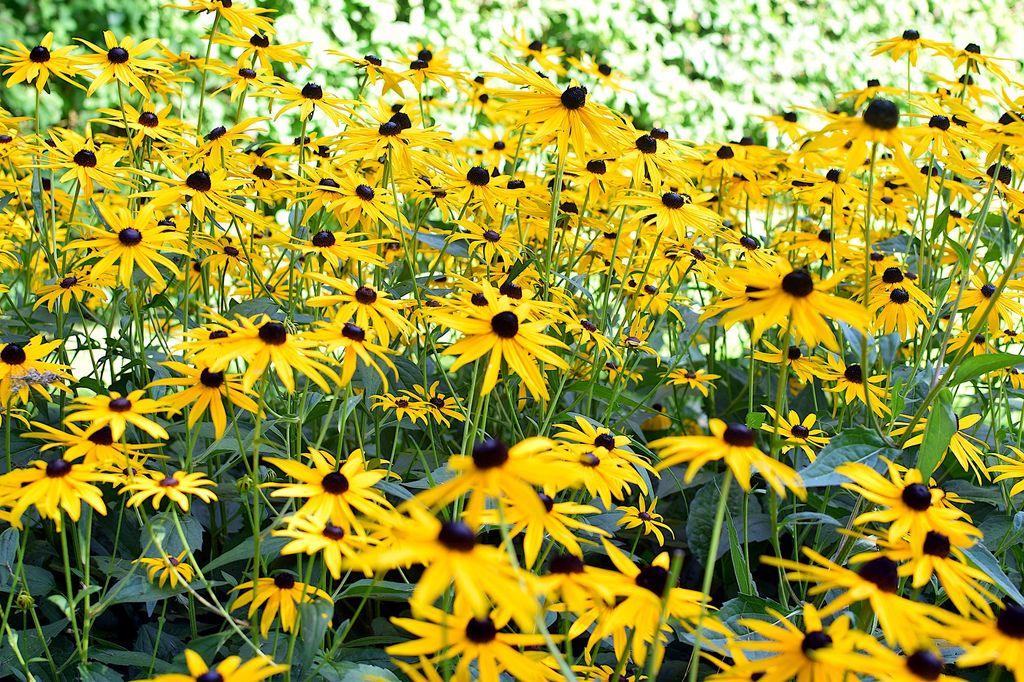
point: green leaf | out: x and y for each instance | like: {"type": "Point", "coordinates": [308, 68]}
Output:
{"type": "Point", "coordinates": [744, 580]}
{"type": "Point", "coordinates": [269, 548]}
{"type": "Point", "coordinates": [986, 561]}
{"type": "Point", "coordinates": [978, 365]}
{"type": "Point", "coordinates": [858, 444]}
{"type": "Point", "coordinates": [315, 619]}
{"type": "Point", "coordinates": [343, 671]}
{"type": "Point", "coordinates": [937, 433]}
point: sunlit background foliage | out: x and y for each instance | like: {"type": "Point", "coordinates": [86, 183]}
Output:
{"type": "Point", "coordinates": [714, 66]}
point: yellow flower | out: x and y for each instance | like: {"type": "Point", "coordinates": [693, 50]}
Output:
{"type": "Point", "coordinates": [123, 61]}
{"type": "Point", "coordinates": [735, 444]}
{"type": "Point", "coordinates": [55, 488]}
{"type": "Point", "coordinates": [278, 595]}
{"type": "Point", "coordinates": [176, 488]}
{"type": "Point", "coordinates": [117, 411]}
{"type": "Point", "coordinates": [231, 669]}
{"type": "Point", "coordinates": [170, 570]}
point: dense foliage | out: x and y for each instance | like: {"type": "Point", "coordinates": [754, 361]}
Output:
{"type": "Point", "coordinates": [464, 373]}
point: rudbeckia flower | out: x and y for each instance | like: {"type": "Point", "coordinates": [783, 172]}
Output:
{"type": "Point", "coordinates": [156, 486]}
{"type": "Point", "coordinates": [791, 298]}
{"type": "Point", "coordinates": [480, 639]}
{"type": "Point", "coordinates": [509, 335]}
{"type": "Point", "coordinates": [333, 491]}
{"type": "Point", "coordinates": [281, 594]}
{"type": "Point", "coordinates": [735, 444]}
{"type": "Point", "coordinates": [231, 669]}
{"type": "Point", "coordinates": [118, 411]}
{"type": "Point", "coordinates": [35, 65]}
{"type": "Point", "coordinates": [123, 62]}
{"type": "Point", "coordinates": [54, 488]}
{"type": "Point", "coordinates": [170, 570]}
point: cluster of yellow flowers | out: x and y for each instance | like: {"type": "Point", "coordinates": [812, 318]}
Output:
{"type": "Point", "coordinates": [313, 352]}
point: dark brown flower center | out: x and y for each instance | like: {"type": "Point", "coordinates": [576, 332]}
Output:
{"type": "Point", "coordinates": [478, 176]}
{"type": "Point", "coordinates": [129, 236]}
{"type": "Point", "coordinates": [917, 496]}
{"type": "Point", "coordinates": [738, 435]}
{"type": "Point", "coordinates": [85, 158]}
{"type": "Point", "coordinates": [457, 536]}
{"type": "Point", "coordinates": [366, 295]}
{"type": "Point", "coordinates": [323, 239]}
{"type": "Point", "coordinates": [882, 114]}
{"type": "Point", "coordinates": [273, 333]}
{"type": "Point", "coordinates": [39, 55]}
{"type": "Point", "coordinates": [117, 55]}
{"type": "Point", "coordinates": [574, 98]}
{"type": "Point", "coordinates": [199, 181]}
{"type": "Point", "coordinates": [13, 354]}
{"type": "Point", "coordinates": [119, 405]}
{"type": "Point", "coordinates": [334, 483]}
{"type": "Point", "coordinates": [284, 581]}
{"type": "Point", "coordinates": [798, 284]}
{"type": "Point", "coordinates": [505, 324]}
{"type": "Point", "coordinates": [481, 630]}
{"type": "Point", "coordinates": [926, 665]}
{"type": "Point", "coordinates": [814, 641]}
{"type": "Point", "coordinates": [489, 454]}
{"type": "Point", "coordinates": [353, 332]}
{"type": "Point", "coordinates": [1011, 621]}
{"type": "Point", "coordinates": [58, 468]}
{"type": "Point", "coordinates": [881, 572]}
{"type": "Point", "coordinates": [211, 379]}
{"type": "Point", "coordinates": [332, 532]}
{"type": "Point", "coordinates": [565, 563]}
{"type": "Point", "coordinates": [653, 578]}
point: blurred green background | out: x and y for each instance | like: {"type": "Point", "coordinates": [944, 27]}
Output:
{"type": "Point", "coordinates": [703, 67]}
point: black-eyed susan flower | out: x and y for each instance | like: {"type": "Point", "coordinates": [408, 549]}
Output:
{"type": "Point", "coordinates": [906, 622]}
{"type": "Point", "coordinates": [792, 298]}
{"type": "Point", "coordinates": [908, 505]}
{"type": "Point", "coordinates": [168, 570]}
{"type": "Point", "coordinates": [502, 474]}
{"type": "Point", "coordinates": [231, 669]}
{"type": "Point", "coordinates": [566, 116]}
{"type": "Point", "coordinates": [202, 392]}
{"type": "Point", "coordinates": [735, 445]}
{"type": "Point", "coordinates": [131, 240]}
{"type": "Point", "coordinates": [54, 488]}
{"type": "Point", "coordinates": [815, 651]}
{"type": "Point", "coordinates": [699, 379]}
{"type": "Point", "coordinates": [35, 65]}
{"type": "Point", "coordinates": [797, 433]}
{"type": "Point", "coordinates": [316, 536]}
{"type": "Point", "coordinates": [645, 517]}
{"type": "Point", "coordinates": [333, 490]}
{"type": "Point", "coordinates": [966, 448]}
{"type": "Point", "coordinates": [122, 61]}
{"type": "Point", "coordinates": [262, 342]}
{"type": "Point", "coordinates": [470, 639]}
{"type": "Point", "coordinates": [117, 412]}
{"type": "Point", "coordinates": [280, 595]}
{"type": "Point", "coordinates": [452, 555]}
{"type": "Point", "coordinates": [509, 336]}
{"type": "Point", "coordinates": [177, 488]}
{"type": "Point", "coordinates": [19, 363]}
